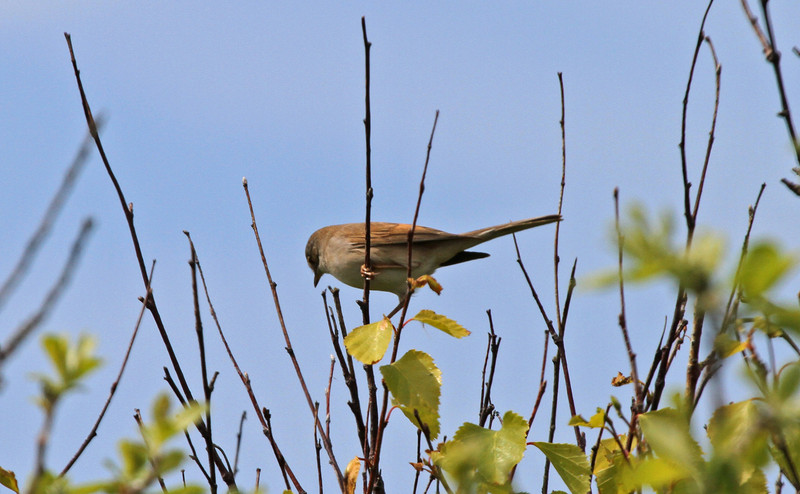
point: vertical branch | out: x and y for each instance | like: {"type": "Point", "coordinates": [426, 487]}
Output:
{"type": "Point", "coordinates": [262, 413]}
{"type": "Point", "coordinates": [693, 367]}
{"type": "Point", "coordinates": [347, 374]}
{"type": "Point", "coordinates": [711, 132]}
{"type": "Point", "coordinates": [556, 257]}
{"type": "Point", "coordinates": [687, 209]}
{"type": "Point", "coordinates": [623, 326]}
{"type": "Point", "coordinates": [375, 480]}
{"type": "Point", "coordinates": [367, 135]}
{"type": "Point", "coordinates": [709, 365]}
{"type": "Point", "coordinates": [690, 216]}
{"type": "Point", "coordinates": [411, 234]}
{"type": "Point", "coordinates": [207, 388]}
{"type": "Point", "coordinates": [372, 388]}
{"type": "Point", "coordinates": [492, 347]}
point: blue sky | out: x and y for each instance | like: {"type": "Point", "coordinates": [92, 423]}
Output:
{"type": "Point", "coordinates": [199, 96]}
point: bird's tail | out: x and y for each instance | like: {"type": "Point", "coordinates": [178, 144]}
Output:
{"type": "Point", "coordinates": [515, 226]}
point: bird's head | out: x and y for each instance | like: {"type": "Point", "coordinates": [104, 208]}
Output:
{"type": "Point", "coordinates": [313, 248]}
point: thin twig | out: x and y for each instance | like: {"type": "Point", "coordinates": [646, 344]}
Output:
{"type": "Point", "coordinates": [596, 447]}
{"type": "Point", "coordinates": [289, 349]}
{"type": "Point", "coordinates": [553, 412]}
{"type": "Point", "coordinates": [318, 444]}
{"type": "Point", "coordinates": [263, 417]}
{"type": "Point", "coordinates": [238, 443]}
{"type": "Point", "coordinates": [368, 165]}
{"type": "Point", "coordinates": [623, 323]}
{"type": "Point", "coordinates": [687, 212]}
{"type": "Point", "coordinates": [692, 369]}
{"type": "Point", "coordinates": [492, 347]}
{"type": "Point", "coordinates": [372, 387]}
{"type": "Point", "coordinates": [194, 457]}
{"type": "Point", "coordinates": [128, 211]}
{"type": "Point", "coordinates": [49, 217]}
{"type": "Point", "coordinates": [349, 378]}
{"type": "Point", "coordinates": [731, 307]}
{"type": "Point", "coordinates": [115, 384]}
{"type": "Point", "coordinates": [539, 395]}
{"type": "Point", "coordinates": [138, 417]}
{"type": "Point", "coordinates": [556, 257]}
{"type": "Point", "coordinates": [773, 56]}
{"type": "Point", "coordinates": [418, 466]}
{"type": "Point", "coordinates": [42, 442]}
{"type": "Point", "coordinates": [52, 296]}
{"type": "Point", "coordinates": [374, 477]}
{"type": "Point", "coordinates": [328, 398]}
{"type": "Point", "coordinates": [558, 339]}
{"type": "Point", "coordinates": [198, 324]}
{"type": "Point", "coordinates": [712, 130]}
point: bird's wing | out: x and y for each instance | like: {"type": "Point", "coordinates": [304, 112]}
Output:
{"type": "Point", "coordinates": [397, 234]}
{"type": "Point", "coordinates": [393, 237]}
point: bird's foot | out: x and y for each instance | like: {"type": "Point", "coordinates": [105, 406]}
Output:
{"type": "Point", "coordinates": [367, 273]}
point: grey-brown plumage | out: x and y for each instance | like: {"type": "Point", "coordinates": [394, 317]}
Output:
{"type": "Point", "coordinates": [339, 250]}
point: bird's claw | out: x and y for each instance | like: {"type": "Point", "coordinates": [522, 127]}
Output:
{"type": "Point", "coordinates": [367, 273]}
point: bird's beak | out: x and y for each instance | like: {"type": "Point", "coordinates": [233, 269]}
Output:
{"type": "Point", "coordinates": [317, 276]}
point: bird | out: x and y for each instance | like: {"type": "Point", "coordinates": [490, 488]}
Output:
{"type": "Point", "coordinates": [339, 250]}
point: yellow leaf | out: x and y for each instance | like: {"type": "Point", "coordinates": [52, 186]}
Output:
{"type": "Point", "coordinates": [351, 475]}
{"type": "Point", "coordinates": [442, 323]}
{"type": "Point", "coordinates": [621, 380]}
{"type": "Point", "coordinates": [369, 343]}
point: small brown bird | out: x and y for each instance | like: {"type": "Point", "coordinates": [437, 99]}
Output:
{"type": "Point", "coordinates": [339, 250]}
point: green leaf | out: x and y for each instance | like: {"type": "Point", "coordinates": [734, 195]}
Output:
{"type": "Point", "coordinates": [8, 479]}
{"type": "Point", "coordinates": [762, 268]}
{"type": "Point", "coordinates": [134, 457]}
{"type": "Point", "coordinates": [189, 415]}
{"type": "Point", "coordinates": [415, 383]}
{"type": "Point", "coordinates": [442, 323]}
{"type": "Point", "coordinates": [737, 429]}
{"type": "Point", "coordinates": [144, 460]}
{"type": "Point", "coordinates": [667, 432]}
{"type": "Point", "coordinates": [71, 362]}
{"type": "Point", "coordinates": [740, 440]}
{"type": "Point", "coordinates": [188, 489]}
{"type": "Point", "coordinates": [605, 466]}
{"type": "Point", "coordinates": [782, 316]}
{"type": "Point", "coordinates": [789, 380]}
{"type": "Point", "coordinates": [170, 460]}
{"type": "Point", "coordinates": [368, 343]}
{"type": "Point", "coordinates": [570, 463]}
{"type": "Point", "coordinates": [789, 440]}
{"type": "Point", "coordinates": [597, 420]}
{"type": "Point", "coordinates": [167, 424]}
{"type": "Point", "coordinates": [754, 483]}
{"type": "Point", "coordinates": [655, 472]}
{"type": "Point", "coordinates": [654, 253]}
{"type": "Point", "coordinates": [56, 348]}
{"type": "Point", "coordinates": [726, 346]}
{"type": "Point", "coordinates": [483, 458]}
